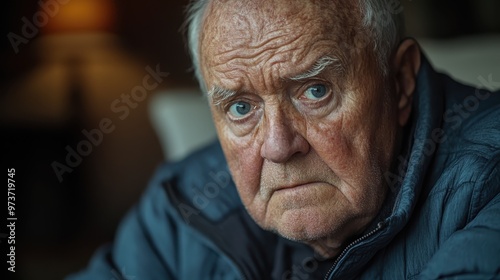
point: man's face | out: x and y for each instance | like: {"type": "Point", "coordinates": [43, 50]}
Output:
{"type": "Point", "coordinates": [306, 125]}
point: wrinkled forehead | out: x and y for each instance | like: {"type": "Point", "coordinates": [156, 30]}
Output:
{"type": "Point", "coordinates": [232, 25]}
{"type": "Point", "coordinates": [250, 17]}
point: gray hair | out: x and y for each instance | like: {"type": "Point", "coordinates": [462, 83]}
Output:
{"type": "Point", "coordinates": [382, 19]}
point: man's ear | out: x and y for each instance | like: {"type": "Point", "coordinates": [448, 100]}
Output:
{"type": "Point", "coordinates": [406, 64]}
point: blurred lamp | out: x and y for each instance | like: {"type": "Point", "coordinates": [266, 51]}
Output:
{"type": "Point", "coordinates": [82, 16]}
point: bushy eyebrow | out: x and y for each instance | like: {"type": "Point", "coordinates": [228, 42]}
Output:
{"type": "Point", "coordinates": [217, 95]}
{"type": "Point", "coordinates": [321, 65]}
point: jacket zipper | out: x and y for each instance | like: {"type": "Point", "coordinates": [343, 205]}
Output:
{"type": "Point", "coordinates": [380, 225]}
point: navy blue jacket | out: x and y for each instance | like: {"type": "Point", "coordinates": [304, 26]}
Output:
{"type": "Point", "coordinates": [441, 218]}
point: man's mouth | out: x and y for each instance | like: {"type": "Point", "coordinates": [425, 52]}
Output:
{"type": "Point", "coordinates": [298, 189]}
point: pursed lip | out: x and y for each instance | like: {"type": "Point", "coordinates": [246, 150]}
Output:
{"type": "Point", "coordinates": [292, 186]}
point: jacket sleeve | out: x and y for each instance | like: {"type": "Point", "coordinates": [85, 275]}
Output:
{"type": "Point", "coordinates": [144, 247]}
{"type": "Point", "coordinates": [474, 251]}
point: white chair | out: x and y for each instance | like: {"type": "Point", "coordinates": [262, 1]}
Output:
{"type": "Point", "coordinates": [467, 59]}
{"type": "Point", "coordinates": [182, 120]}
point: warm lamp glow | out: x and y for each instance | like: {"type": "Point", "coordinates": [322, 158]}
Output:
{"type": "Point", "coordinates": [83, 15]}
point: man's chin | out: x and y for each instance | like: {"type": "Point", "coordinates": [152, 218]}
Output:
{"type": "Point", "coordinates": [311, 227]}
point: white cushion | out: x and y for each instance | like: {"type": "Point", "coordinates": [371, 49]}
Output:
{"type": "Point", "coordinates": [470, 60]}
{"type": "Point", "coordinates": [182, 120]}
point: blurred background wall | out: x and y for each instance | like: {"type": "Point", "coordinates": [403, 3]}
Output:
{"type": "Point", "coordinates": [74, 120]}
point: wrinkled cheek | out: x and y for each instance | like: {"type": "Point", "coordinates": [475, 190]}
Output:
{"type": "Point", "coordinates": [331, 144]}
{"type": "Point", "coordinates": [245, 165]}
{"type": "Point", "coordinates": [344, 148]}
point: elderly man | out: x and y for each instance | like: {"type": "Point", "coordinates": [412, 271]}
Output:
{"type": "Point", "coordinates": [350, 157]}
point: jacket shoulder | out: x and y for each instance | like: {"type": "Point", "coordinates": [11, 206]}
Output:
{"type": "Point", "coordinates": [201, 181]}
{"type": "Point", "coordinates": [464, 199]}
{"type": "Point", "coordinates": [155, 240]}
{"type": "Point", "coordinates": [469, 142]}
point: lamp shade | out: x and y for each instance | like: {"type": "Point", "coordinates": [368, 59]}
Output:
{"type": "Point", "coordinates": [81, 16]}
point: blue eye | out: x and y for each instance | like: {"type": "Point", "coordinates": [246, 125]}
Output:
{"type": "Point", "coordinates": [316, 92]}
{"type": "Point", "coordinates": [240, 109]}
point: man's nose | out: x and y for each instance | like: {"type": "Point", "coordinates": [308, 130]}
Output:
{"type": "Point", "coordinates": [281, 139]}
